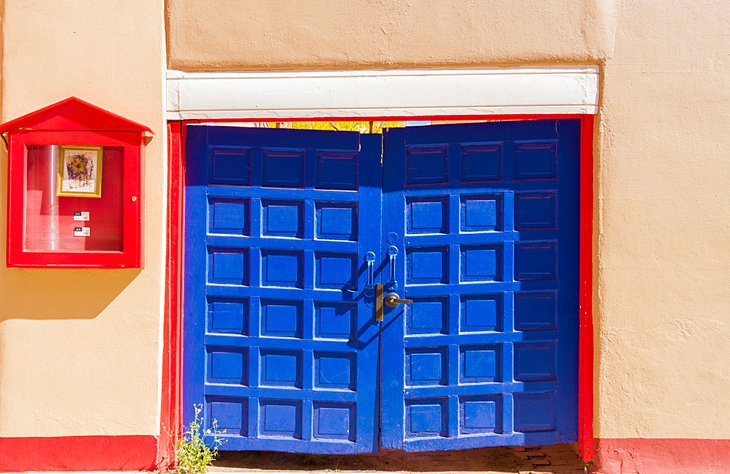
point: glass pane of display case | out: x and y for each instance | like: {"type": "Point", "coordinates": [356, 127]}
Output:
{"type": "Point", "coordinates": [73, 200]}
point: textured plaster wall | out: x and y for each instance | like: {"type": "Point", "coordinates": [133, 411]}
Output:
{"type": "Point", "coordinates": [662, 261]}
{"type": "Point", "coordinates": [90, 365]}
{"type": "Point", "coordinates": [345, 34]}
{"type": "Point", "coordinates": [79, 350]}
{"type": "Point", "coordinates": [664, 249]}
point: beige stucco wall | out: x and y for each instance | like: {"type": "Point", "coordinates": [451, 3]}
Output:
{"type": "Point", "coordinates": [664, 249]}
{"type": "Point", "coordinates": [662, 299]}
{"type": "Point", "coordinates": [345, 34]}
{"type": "Point", "coordinates": [79, 350]}
{"type": "Point", "coordinates": [70, 367]}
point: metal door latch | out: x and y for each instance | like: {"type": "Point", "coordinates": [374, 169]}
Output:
{"type": "Point", "coordinates": [379, 302]}
{"type": "Point", "coordinates": [393, 299]}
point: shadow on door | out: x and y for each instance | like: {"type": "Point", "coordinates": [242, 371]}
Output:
{"type": "Point", "coordinates": [559, 458]}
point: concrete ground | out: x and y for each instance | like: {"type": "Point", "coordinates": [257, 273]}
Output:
{"type": "Point", "coordinates": [560, 458]}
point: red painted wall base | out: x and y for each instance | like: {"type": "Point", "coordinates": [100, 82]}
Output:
{"type": "Point", "coordinates": [665, 456]}
{"type": "Point", "coordinates": [136, 453]}
{"type": "Point", "coordinates": [78, 453]}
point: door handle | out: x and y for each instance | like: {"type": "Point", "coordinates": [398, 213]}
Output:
{"type": "Point", "coordinates": [392, 300]}
{"type": "Point", "coordinates": [370, 261]}
{"type": "Point", "coordinates": [392, 255]}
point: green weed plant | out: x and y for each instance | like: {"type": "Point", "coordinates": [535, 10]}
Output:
{"type": "Point", "coordinates": [193, 455]}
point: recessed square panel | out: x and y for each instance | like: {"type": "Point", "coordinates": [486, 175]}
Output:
{"type": "Point", "coordinates": [479, 364]}
{"type": "Point", "coordinates": [334, 421]}
{"type": "Point", "coordinates": [230, 166]}
{"type": "Point", "coordinates": [230, 414]}
{"type": "Point", "coordinates": [280, 418]}
{"type": "Point", "coordinates": [228, 315]}
{"type": "Point", "coordinates": [334, 371]}
{"type": "Point", "coordinates": [336, 221]}
{"type": "Point", "coordinates": [426, 418]}
{"type": "Point", "coordinates": [536, 161]}
{"type": "Point", "coordinates": [481, 213]}
{"type": "Point", "coordinates": [535, 310]}
{"type": "Point", "coordinates": [282, 218]}
{"type": "Point", "coordinates": [481, 263]}
{"type": "Point", "coordinates": [480, 415]}
{"type": "Point", "coordinates": [227, 365]}
{"type": "Point", "coordinates": [427, 265]}
{"type": "Point", "coordinates": [228, 266]}
{"type": "Point", "coordinates": [281, 318]}
{"type": "Point", "coordinates": [281, 368]}
{"type": "Point", "coordinates": [426, 165]}
{"type": "Point", "coordinates": [426, 366]}
{"type": "Point", "coordinates": [281, 268]}
{"type": "Point", "coordinates": [334, 320]}
{"type": "Point", "coordinates": [427, 316]}
{"type": "Point", "coordinates": [228, 216]}
{"type": "Point", "coordinates": [535, 360]}
{"type": "Point", "coordinates": [335, 270]}
{"type": "Point", "coordinates": [427, 215]}
{"type": "Point", "coordinates": [535, 411]}
{"type": "Point", "coordinates": [481, 162]}
{"type": "Point", "coordinates": [536, 260]}
{"type": "Point", "coordinates": [536, 211]}
{"type": "Point", "coordinates": [337, 170]}
{"type": "Point", "coordinates": [283, 168]}
{"type": "Point", "coordinates": [481, 313]}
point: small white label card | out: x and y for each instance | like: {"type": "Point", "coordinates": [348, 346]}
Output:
{"type": "Point", "coordinates": [81, 216]}
{"type": "Point", "coordinates": [82, 231]}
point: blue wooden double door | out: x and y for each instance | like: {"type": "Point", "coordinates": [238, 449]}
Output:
{"type": "Point", "coordinates": [296, 241]}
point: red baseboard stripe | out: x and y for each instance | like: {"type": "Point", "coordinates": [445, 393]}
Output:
{"type": "Point", "coordinates": [78, 453]}
{"type": "Point", "coordinates": [665, 456]}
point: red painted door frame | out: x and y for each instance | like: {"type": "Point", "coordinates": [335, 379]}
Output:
{"type": "Point", "coordinates": [171, 396]}
{"type": "Point", "coordinates": [170, 420]}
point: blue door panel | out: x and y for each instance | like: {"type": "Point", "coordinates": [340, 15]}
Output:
{"type": "Point", "coordinates": [279, 342]}
{"type": "Point", "coordinates": [288, 231]}
{"type": "Point", "coordinates": [485, 220]}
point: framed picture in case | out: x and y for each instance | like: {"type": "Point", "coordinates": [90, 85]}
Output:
{"type": "Point", "coordinates": [79, 171]}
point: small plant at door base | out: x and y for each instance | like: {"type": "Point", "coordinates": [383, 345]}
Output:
{"type": "Point", "coordinates": [193, 455]}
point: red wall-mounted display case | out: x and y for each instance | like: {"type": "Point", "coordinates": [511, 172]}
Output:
{"type": "Point", "coordinates": [75, 188]}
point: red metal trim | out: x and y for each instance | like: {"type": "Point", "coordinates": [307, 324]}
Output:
{"type": "Point", "coordinates": [391, 118]}
{"type": "Point", "coordinates": [585, 295]}
{"type": "Point", "coordinates": [78, 453]}
{"type": "Point", "coordinates": [585, 342]}
{"type": "Point", "coordinates": [99, 119]}
{"type": "Point", "coordinates": [130, 256]}
{"type": "Point", "coordinates": [170, 419]}
{"type": "Point", "coordinates": [661, 455]}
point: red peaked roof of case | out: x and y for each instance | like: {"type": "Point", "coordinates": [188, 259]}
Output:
{"type": "Point", "coordinates": [73, 114]}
